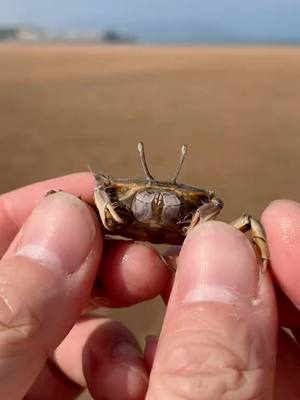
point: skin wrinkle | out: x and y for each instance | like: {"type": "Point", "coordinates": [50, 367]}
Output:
{"type": "Point", "coordinates": [33, 322]}
{"type": "Point", "coordinates": [247, 366]}
{"type": "Point", "coordinates": [191, 387]}
{"type": "Point", "coordinates": [234, 311]}
{"type": "Point", "coordinates": [233, 381]}
{"type": "Point", "coordinates": [206, 333]}
{"type": "Point", "coordinates": [236, 363]}
{"type": "Point", "coordinates": [242, 364]}
{"type": "Point", "coordinates": [26, 329]}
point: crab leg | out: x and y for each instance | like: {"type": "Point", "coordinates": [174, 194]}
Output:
{"type": "Point", "coordinates": [103, 202]}
{"type": "Point", "coordinates": [113, 212]}
{"type": "Point", "coordinates": [247, 223]}
{"type": "Point", "coordinates": [205, 212]}
{"type": "Point", "coordinates": [200, 215]}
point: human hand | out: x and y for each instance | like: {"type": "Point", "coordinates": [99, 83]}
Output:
{"type": "Point", "coordinates": [219, 339]}
{"type": "Point", "coordinates": [219, 335]}
{"type": "Point", "coordinates": [51, 251]}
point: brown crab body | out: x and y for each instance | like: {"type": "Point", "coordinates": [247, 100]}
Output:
{"type": "Point", "coordinates": [162, 212]}
{"type": "Point", "coordinates": [159, 212]}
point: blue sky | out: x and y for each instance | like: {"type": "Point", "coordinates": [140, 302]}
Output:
{"type": "Point", "coordinates": [173, 19]}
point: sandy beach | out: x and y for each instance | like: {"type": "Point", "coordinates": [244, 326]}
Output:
{"type": "Point", "coordinates": [63, 109]}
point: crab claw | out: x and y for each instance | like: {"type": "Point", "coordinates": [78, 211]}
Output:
{"type": "Point", "coordinates": [114, 214]}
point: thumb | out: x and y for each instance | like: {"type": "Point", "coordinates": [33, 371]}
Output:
{"type": "Point", "coordinates": [219, 334]}
{"type": "Point", "coordinates": [45, 280]}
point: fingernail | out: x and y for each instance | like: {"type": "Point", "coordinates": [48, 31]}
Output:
{"type": "Point", "coordinates": [126, 354]}
{"type": "Point", "coordinates": [59, 233]}
{"type": "Point", "coordinates": [217, 263]}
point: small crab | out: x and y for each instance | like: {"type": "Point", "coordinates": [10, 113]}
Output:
{"type": "Point", "coordinates": [163, 212]}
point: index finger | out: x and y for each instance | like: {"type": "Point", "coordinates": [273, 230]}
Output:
{"type": "Point", "coordinates": [17, 205]}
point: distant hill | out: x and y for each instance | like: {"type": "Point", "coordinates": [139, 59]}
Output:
{"type": "Point", "coordinates": [33, 34]}
{"type": "Point", "coordinates": [191, 31]}
{"type": "Point", "coordinates": [159, 31]}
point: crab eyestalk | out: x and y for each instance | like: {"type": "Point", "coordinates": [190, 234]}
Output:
{"type": "Point", "coordinates": [149, 177]}
{"type": "Point", "coordinates": [180, 163]}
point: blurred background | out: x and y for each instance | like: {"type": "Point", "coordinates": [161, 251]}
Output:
{"type": "Point", "coordinates": [82, 82]}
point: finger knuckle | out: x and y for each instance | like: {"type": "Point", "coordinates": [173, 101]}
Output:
{"type": "Point", "coordinates": [18, 322]}
{"type": "Point", "coordinates": [209, 370]}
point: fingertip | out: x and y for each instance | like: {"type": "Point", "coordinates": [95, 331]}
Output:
{"type": "Point", "coordinates": [132, 272]}
{"type": "Point", "coordinates": [61, 230]}
{"type": "Point", "coordinates": [45, 280]}
{"type": "Point", "coordinates": [216, 259]}
{"type": "Point", "coordinates": [282, 223]}
{"type": "Point", "coordinates": [278, 209]}
{"type": "Point", "coordinates": [111, 354]}
{"type": "Point", "coordinates": [220, 314]}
